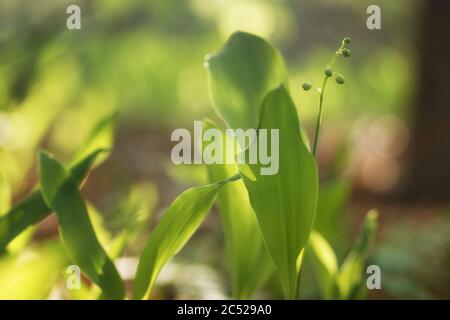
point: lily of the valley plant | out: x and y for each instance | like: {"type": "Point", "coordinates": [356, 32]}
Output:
{"type": "Point", "coordinates": [268, 220]}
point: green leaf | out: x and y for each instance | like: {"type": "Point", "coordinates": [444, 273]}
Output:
{"type": "Point", "coordinates": [33, 209]}
{"type": "Point", "coordinates": [285, 203]}
{"type": "Point", "coordinates": [175, 228]}
{"type": "Point", "coordinates": [325, 264]}
{"type": "Point", "coordinates": [350, 277]}
{"type": "Point", "coordinates": [62, 195]}
{"type": "Point", "coordinates": [240, 75]}
{"type": "Point", "coordinates": [248, 261]}
{"type": "Point", "coordinates": [5, 203]}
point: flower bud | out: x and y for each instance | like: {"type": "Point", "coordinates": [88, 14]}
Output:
{"type": "Point", "coordinates": [340, 79]}
{"type": "Point", "coordinates": [328, 72]}
{"type": "Point", "coordinates": [306, 86]}
{"type": "Point", "coordinates": [347, 40]}
{"type": "Point", "coordinates": [346, 52]}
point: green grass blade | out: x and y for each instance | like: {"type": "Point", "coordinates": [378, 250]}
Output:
{"type": "Point", "coordinates": [285, 203]}
{"type": "Point", "coordinates": [175, 228]}
{"type": "Point", "coordinates": [240, 75]}
{"type": "Point", "coordinates": [62, 195]}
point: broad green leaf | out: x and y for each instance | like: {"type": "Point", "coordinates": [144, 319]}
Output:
{"type": "Point", "coordinates": [86, 291]}
{"type": "Point", "coordinates": [350, 279]}
{"type": "Point", "coordinates": [33, 209]}
{"type": "Point", "coordinates": [248, 261]}
{"type": "Point", "coordinates": [285, 203]}
{"type": "Point", "coordinates": [62, 195]}
{"type": "Point", "coordinates": [175, 228]}
{"type": "Point", "coordinates": [325, 264]}
{"type": "Point", "coordinates": [24, 214]}
{"type": "Point", "coordinates": [31, 273]}
{"type": "Point", "coordinates": [240, 75]}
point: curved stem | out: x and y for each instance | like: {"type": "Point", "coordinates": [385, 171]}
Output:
{"type": "Point", "coordinates": [237, 176]}
{"type": "Point", "coordinates": [319, 116]}
{"type": "Point", "coordinates": [322, 91]}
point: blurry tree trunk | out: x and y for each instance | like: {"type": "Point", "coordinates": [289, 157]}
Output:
{"type": "Point", "coordinates": [429, 174]}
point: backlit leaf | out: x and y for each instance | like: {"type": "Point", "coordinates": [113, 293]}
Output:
{"type": "Point", "coordinates": [285, 203]}
{"type": "Point", "coordinates": [62, 195]}
{"type": "Point", "coordinates": [32, 209]}
{"type": "Point", "coordinates": [175, 228]}
{"type": "Point", "coordinates": [240, 75]}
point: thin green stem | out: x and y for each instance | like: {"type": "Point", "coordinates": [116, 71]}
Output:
{"type": "Point", "coordinates": [322, 92]}
{"type": "Point", "coordinates": [319, 116]}
{"type": "Point", "coordinates": [237, 176]}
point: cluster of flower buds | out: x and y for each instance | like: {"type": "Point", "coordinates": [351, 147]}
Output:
{"type": "Point", "coordinates": [342, 51]}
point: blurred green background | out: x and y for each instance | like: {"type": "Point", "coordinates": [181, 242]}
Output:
{"type": "Point", "coordinates": [145, 59]}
